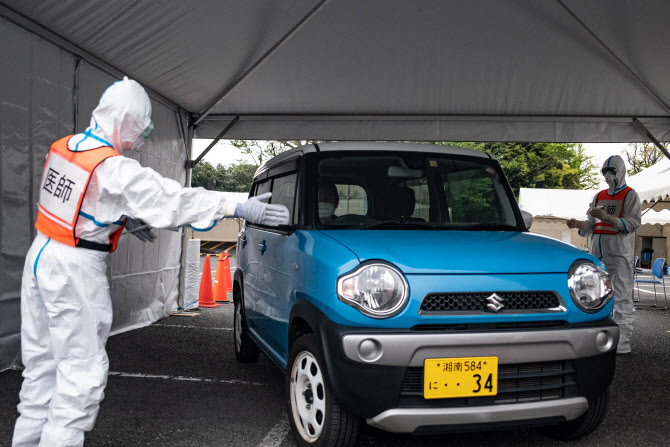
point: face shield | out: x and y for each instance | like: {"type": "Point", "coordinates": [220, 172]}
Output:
{"type": "Point", "coordinates": [139, 142]}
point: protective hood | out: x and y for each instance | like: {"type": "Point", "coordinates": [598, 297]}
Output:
{"type": "Point", "coordinates": [123, 114]}
{"type": "Point", "coordinates": [617, 182]}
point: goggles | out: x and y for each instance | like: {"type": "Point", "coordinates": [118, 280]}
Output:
{"type": "Point", "coordinates": [147, 131]}
{"type": "Point", "coordinates": [609, 170]}
{"type": "Point", "coordinates": [139, 142]}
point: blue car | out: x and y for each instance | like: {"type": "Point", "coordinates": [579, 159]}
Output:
{"type": "Point", "coordinates": [407, 293]}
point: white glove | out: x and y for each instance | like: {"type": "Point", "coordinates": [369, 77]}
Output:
{"type": "Point", "coordinates": [574, 223]}
{"type": "Point", "coordinates": [255, 210]}
{"type": "Point", "coordinates": [602, 215]}
{"type": "Point", "coordinates": [140, 230]}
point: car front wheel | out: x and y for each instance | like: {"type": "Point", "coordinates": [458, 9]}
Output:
{"type": "Point", "coordinates": [317, 419]}
{"type": "Point", "coordinates": [584, 424]}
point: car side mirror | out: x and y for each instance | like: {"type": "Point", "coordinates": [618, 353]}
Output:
{"type": "Point", "coordinates": [527, 218]}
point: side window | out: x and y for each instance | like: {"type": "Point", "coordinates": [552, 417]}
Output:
{"type": "Point", "coordinates": [421, 198]}
{"type": "Point", "coordinates": [263, 187]}
{"type": "Point", "coordinates": [284, 192]}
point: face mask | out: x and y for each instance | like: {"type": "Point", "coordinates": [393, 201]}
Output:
{"type": "Point", "coordinates": [326, 210]}
{"type": "Point", "coordinates": [610, 179]}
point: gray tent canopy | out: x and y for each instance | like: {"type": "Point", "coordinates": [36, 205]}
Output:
{"type": "Point", "coordinates": [429, 70]}
{"type": "Point", "coordinates": [482, 70]}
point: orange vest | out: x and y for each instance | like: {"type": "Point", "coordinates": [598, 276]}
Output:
{"type": "Point", "coordinates": [64, 183]}
{"type": "Point", "coordinates": [613, 205]}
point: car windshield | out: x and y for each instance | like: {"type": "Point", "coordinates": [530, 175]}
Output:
{"type": "Point", "coordinates": [400, 190]}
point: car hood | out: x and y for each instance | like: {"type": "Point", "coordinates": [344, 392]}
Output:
{"type": "Point", "coordinates": [459, 252]}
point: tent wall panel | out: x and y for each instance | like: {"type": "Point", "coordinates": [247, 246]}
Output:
{"type": "Point", "coordinates": [44, 91]}
{"type": "Point", "coordinates": [36, 108]}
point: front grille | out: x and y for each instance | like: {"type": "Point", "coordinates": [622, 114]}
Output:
{"type": "Point", "coordinates": [477, 301]}
{"type": "Point", "coordinates": [498, 325]}
{"type": "Point", "coordinates": [518, 382]}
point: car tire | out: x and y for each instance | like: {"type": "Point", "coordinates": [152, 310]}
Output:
{"type": "Point", "coordinates": [317, 419]}
{"type": "Point", "coordinates": [584, 424]}
{"type": "Point", "coordinates": [246, 350]}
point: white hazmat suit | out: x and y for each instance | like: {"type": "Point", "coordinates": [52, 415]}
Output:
{"type": "Point", "coordinates": [615, 249]}
{"type": "Point", "coordinates": [66, 307]}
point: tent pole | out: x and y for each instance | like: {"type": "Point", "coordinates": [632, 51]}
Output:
{"type": "Point", "coordinates": [649, 135]}
{"type": "Point", "coordinates": [612, 54]}
{"type": "Point", "coordinates": [191, 163]}
{"type": "Point", "coordinates": [184, 231]}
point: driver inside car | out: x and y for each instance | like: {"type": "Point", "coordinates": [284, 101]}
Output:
{"type": "Point", "coordinates": [328, 199]}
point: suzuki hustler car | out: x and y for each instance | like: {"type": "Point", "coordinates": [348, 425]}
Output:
{"type": "Point", "coordinates": [406, 292]}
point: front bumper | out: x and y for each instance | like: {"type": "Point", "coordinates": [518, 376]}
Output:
{"type": "Point", "coordinates": [408, 420]}
{"type": "Point", "coordinates": [546, 375]}
{"type": "Point", "coordinates": [509, 346]}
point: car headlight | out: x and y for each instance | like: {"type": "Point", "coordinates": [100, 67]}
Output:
{"type": "Point", "coordinates": [590, 286]}
{"type": "Point", "coordinates": [376, 289]}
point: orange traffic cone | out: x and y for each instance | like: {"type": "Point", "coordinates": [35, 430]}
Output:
{"type": "Point", "coordinates": [205, 298]}
{"type": "Point", "coordinates": [220, 291]}
{"type": "Point", "coordinates": [227, 280]}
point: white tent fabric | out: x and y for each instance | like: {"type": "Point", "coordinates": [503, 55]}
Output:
{"type": "Point", "coordinates": [653, 185]}
{"type": "Point", "coordinates": [481, 70]}
{"type": "Point", "coordinates": [47, 94]}
{"type": "Point", "coordinates": [451, 70]}
{"type": "Point", "coordinates": [573, 204]}
{"type": "Point", "coordinates": [562, 203]}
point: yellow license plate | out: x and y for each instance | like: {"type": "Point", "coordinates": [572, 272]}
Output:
{"type": "Point", "coordinates": [460, 377]}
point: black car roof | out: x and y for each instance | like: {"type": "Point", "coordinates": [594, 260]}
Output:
{"type": "Point", "coordinates": [356, 146]}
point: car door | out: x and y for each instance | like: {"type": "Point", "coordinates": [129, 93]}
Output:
{"type": "Point", "coordinates": [275, 286]}
{"type": "Point", "coordinates": [251, 265]}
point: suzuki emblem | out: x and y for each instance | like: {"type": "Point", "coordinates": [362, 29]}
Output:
{"type": "Point", "coordinates": [495, 303]}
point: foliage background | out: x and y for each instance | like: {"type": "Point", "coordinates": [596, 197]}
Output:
{"type": "Point", "coordinates": [527, 165]}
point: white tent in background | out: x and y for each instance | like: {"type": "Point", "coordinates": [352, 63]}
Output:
{"type": "Point", "coordinates": [653, 185]}
{"type": "Point", "coordinates": [551, 208]}
{"type": "Point", "coordinates": [573, 203]}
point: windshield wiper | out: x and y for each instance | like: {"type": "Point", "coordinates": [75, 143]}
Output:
{"type": "Point", "coordinates": [395, 223]}
{"type": "Point", "coordinates": [489, 227]}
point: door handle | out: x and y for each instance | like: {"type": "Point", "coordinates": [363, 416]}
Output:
{"type": "Point", "coordinates": [262, 247]}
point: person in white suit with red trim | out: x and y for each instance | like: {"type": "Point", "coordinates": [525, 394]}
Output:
{"type": "Point", "coordinates": [89, 192]}
{"type": "Point", "coordinates": [613, 215]}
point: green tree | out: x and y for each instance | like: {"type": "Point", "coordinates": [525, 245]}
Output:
{"type": "Point", "coordinates": [526, 165]}
{"type": "Point", "coordinates": [642, 155]}
{"type": "Point", "coordinates": [204, 174]}
{"type": "Point", "coordinates": [588, 171]}
{"type": "Point", "coordinates": [541, 165]}
{"type": "Point", "coordinates": [236, 177]}
{"type": "Point", "coordinates": [261, 151]}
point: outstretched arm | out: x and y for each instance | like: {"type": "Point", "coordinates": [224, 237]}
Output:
{"type": "Point", "coordinates": [128, 189]}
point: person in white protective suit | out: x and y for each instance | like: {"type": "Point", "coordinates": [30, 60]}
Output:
{"type": "Point", "coordinates": [88, 193]}
{"type": "Point", "coordinates": [613, 215]}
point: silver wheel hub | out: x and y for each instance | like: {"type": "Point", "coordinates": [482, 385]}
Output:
{"type": "Point", "coordinates": [308, 398]}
